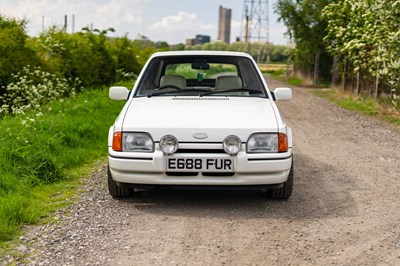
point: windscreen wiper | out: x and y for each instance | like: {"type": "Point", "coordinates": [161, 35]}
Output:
{"type": "Point", "coordinates": [176, 92]}
{"type": "Point", "coordinates": [231, 90]}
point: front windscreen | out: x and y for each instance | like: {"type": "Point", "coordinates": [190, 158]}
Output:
{"type": "Point", "coordinates": [200, 76]}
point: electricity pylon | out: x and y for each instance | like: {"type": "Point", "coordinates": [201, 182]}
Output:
{"type": "Point", "coordinates": [255, 21]}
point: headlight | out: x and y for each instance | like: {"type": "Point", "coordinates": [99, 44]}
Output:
{"type": "Point", "coordinates": [168, 144]}
{"type": "Point", "coordinates": [267, 142]}
{"type": "Point", "coordinates": [137, 142]}
{"type": "Point", "coordinates": [232, 145]}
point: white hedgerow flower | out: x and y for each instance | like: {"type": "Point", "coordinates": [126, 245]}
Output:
{"type": "Point", "coordinates": [34, 87]}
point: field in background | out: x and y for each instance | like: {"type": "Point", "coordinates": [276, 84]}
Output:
{"type": "Point", "coordinates": [272, 67]}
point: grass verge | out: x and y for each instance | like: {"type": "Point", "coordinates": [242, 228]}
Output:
{"type": "Point", "coordinates": [43, 155]}
{"type": "Point", "coordinates": [364, 105]}
{"type": "Point", "coordinates": [280, 74]}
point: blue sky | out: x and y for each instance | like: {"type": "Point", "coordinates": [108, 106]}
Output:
{"type": "Point", "coordinates": [160, 20]}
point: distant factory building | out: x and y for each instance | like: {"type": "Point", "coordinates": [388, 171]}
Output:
{"type": "Point", "coordinates": [189, 42]}
{"type": "Point", "coordinates": [224, 24]}
{"type": "Point", "coordinates": [199, 39]}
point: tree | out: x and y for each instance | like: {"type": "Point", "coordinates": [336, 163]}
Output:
{"type": "Point", "coordinates": [15, 52]}
{"type": "Point", "coordinates": [161, 45]}
{"type": "Point", "coordinates": [365, 36]}
{"type": "Point", "coordinates": [307, 27]}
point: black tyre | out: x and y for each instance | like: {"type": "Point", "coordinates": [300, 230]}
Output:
{"type": "Point", "coordinates": [284, 192]}
{"type": "Point", "coordinates": [118, 190]}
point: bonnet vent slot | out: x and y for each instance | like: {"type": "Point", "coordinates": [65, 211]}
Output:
{"type": "Point", "coordinates": [200, 99]}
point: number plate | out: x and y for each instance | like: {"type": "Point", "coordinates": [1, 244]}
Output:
{"type": "Point", "coordinates": [199, 165]}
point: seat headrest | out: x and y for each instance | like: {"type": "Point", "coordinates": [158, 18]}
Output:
{"type": "Point", "coordinates": [176, 80]}
{"type": "Point", "coordinates": [228, 82]}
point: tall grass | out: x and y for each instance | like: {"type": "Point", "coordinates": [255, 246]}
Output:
{"type": "Point", "coordinates": [42, 148]}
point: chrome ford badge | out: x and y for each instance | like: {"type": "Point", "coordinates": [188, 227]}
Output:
{"type": "Point", "coordinates": [200, 136]}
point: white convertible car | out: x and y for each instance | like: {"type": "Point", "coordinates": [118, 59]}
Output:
{"type": "Point", "coordinates": [202, 119]}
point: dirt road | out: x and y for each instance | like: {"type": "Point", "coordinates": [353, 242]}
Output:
{"type": "Point", "coordinates": [345, 209]}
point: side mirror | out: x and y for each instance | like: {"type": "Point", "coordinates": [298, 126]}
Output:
{"type": "Point", "coordinates": [282, 94]}
{"type": "Point", "coordinates": [118, 93]}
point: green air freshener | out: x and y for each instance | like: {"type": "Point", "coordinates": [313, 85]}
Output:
{"type": "Point", "coordinates": [199, 77]}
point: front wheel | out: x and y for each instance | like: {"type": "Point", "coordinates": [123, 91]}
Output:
{"type": "Point", "coordinates": [284, 192]}
{"type": "Point", "coordinates": [117, 190]}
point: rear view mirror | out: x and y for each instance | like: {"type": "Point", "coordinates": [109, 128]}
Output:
{"type": "Point", "coordinates": [200, 66]}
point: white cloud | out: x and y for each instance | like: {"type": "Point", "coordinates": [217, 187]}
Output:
{"type": "Point", "coordinates": [177, 28]}
{"type": "Point", "coordinates": [130, 16]}
{"type": "Point", "coordinates": [276, 35]}
{"type": "Point", "coordinates": [177, 22]}
{"type": "Point", "coordinates": [123, 15]}
{"type": "Point", "coordinates": [276, 32]}
{"type": "Point", "coordinates": [235, 29]}
{"type": "Point", "coordinates": [121, 12]}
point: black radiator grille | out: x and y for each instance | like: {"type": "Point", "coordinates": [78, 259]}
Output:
{"type": "Point", "coordinates": [200, 151]}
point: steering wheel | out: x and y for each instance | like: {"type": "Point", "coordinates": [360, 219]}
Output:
{"type": "Point", "coordinates": [171, 86]}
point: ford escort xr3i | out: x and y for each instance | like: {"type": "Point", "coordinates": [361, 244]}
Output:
{"type": "Point", "coordinates": [200, 119]}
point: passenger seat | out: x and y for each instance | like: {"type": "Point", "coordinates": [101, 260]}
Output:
{"type": "Point", "coordinates": [175, 80]}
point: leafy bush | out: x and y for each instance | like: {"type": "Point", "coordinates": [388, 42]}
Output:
{"type": "Point", "coordinates": [82, 55]}
{"type": "Point", "coordinates": [33, 88]}
{"type": "Point", "coordinates": [53, 48]}
{"type": "Point", "coordinates": [67, 61]}
{"type": "Point", "coordinates": [122, 75]}
{"type": "Point", "coordinates": [14, 49]}
{"type": "Point", "coordinates": [124, 53]}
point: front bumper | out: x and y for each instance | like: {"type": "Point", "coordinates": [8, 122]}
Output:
{"type": "Point", "coordinates": [248, 169]}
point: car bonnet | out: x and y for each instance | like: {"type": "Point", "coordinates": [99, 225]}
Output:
{"type": "Point", "coordinates": [216, 117]}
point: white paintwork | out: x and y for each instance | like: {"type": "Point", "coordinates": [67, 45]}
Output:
{"type": "Point", "coordinates": [118, 93]}
{"type": "Point", "coordinates": [283, 94]}
{"type": "Point", "coordinates": [186, 116]}
{"type": "Point", "coordinates": [217, 118]}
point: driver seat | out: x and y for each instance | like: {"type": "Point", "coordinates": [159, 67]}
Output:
{"type": "Point", "coordinates": [175, 80]}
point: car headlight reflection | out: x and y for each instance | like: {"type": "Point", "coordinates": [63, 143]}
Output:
{"type": "Point", "coordinates": [267, 142]}
{"type": "Point", "coordinates": [168, 144]}
{"type": "Point", "coordinates": [232, 145]}
{"type": "Point", "coordinates": [137, 142]}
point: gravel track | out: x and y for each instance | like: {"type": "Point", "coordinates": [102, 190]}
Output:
{"type": "Point", "coordinates": [344, 209]}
